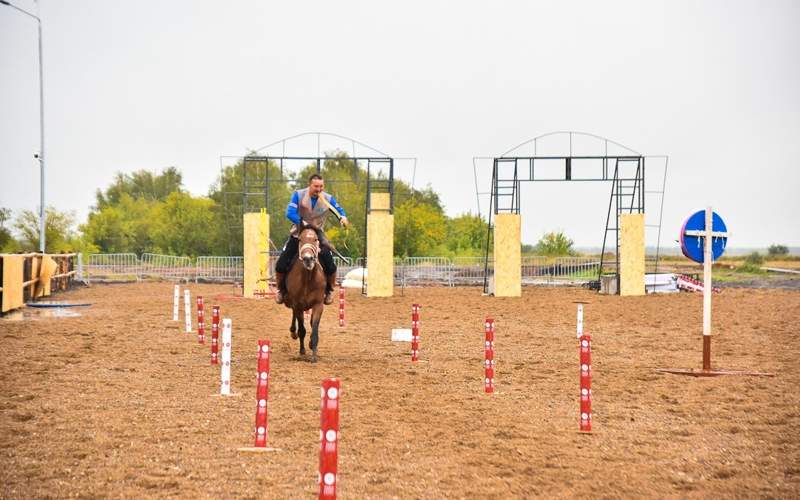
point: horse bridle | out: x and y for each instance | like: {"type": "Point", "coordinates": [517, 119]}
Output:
{"type": "Point", "coordinates": [314, 248]}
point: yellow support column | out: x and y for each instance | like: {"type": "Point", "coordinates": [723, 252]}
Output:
{"type": "Point", "coordinates": [631, 254]}
{"type": "Point", "coordinates": [507, 255]}
{"type": "Point", "coordinates": [256, 253]}
{"type": "Point", "coordinates": [12, 292]}
{"type": "Point", "coordinates": [380, 247]}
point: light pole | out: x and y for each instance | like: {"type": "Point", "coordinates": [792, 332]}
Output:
{"type": "Point", "coordinates": [39, 156]}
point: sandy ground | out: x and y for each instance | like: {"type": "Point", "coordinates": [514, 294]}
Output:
{"type": "Point", "coordinates": [120, 402]}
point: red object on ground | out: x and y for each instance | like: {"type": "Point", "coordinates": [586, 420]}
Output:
{"type": "Point", "coordinates": [489, 356]}
{"type": "Point", "coordinates": [214, 335]}
{"type": "Point", "coordinates": [262, 394]}
{"type": "Point", "coordinates": [341, 307]}
{"type": "Point", "coordinates": [201, 321]}
{"type": "Point", "coordinates": [415, 332]}
{"type": "Point", "coordinates": [329, 437]}
{"type": "Point", "coordinates": [586, 383]}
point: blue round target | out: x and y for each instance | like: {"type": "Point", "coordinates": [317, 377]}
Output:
{"type": "Point", "coordinates": [692, 245]}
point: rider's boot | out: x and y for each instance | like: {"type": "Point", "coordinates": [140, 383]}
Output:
{"type": "Point", "coordinates": [329, 289]}
{"type": "Point", "coordinates": [280, 288]}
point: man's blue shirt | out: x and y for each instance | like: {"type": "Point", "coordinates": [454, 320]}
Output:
{"type": "Point", "coordinates": [294, 216]}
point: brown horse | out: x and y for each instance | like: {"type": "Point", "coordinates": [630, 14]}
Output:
{"type": "Point", "coordinates": [305, 289]}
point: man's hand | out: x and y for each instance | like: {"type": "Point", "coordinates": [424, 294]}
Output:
{"type": "Point", "coordinates": [345, 222]}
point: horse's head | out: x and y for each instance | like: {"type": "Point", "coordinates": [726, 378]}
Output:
{"type": "Point", "coordinates": [309, 247]}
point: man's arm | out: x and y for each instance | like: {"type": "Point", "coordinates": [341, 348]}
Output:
{"type": "Point", "coordinates": [291, 209]}
{"type": "Point", "coordinates": [337, 207]}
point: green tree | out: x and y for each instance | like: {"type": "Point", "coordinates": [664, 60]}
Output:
{"type": "Point", "coordinates": [466, 235]}
{"type": "Point", "coordinates": [57, 230]}
{"type": "Point", "coordinates": [228, 208]}
{"type": "Point", "coordinates": [555, 244]}
{"type": "Point", "coordinates": [777, 250]}
{"type": "Point", "coordinates": [419, 229]}
{"type": "Point", "coordinates": [125, 226]}
{"type": "Point", "coordinates": [345, 179]}
{"type": "Point", "coordinates": [7, 242]}
{"type": "Point", "coordinates": [183, 225]}
{"type": "Point", "coordinates": [347, 182]}
{"type": "Point", "coordinates": [143, 184]}
{"type": "Point", "coordinates": [752, 264]}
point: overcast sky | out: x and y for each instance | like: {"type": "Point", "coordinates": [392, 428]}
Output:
{"type": "Point", "coordinates": [715, 85]}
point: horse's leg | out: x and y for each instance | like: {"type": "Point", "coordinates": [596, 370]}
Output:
{"type": "Point", "coordinates": [293, 328]}
{"type": "Point", "coordinates": [301, 330]}
{"type": "Point", "coordinates": [316, 316]}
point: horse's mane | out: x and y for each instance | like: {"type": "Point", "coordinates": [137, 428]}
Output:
{"type": "Point", "coordinates": [306, 227]}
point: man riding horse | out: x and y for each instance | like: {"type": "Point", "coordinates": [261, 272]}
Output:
{"type": "Point", "coordinates": [309, 206]}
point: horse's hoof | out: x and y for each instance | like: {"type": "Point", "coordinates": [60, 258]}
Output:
{"type": "Point", "coordinates": [302, 352]}
{"type": "Point", "coordinates": [294, 334]}
{"type": "Point", "coordinates": [313, 358]}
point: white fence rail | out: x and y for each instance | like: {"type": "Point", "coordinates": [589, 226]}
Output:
{"type": "Point", "coordinates": [111, 266]}
{"type": "Point", "coordinates": [222, 269]}
{"type": "Point", "coordinates": [167, 267]}
{"type": "Point", "coordinates": [544, 270]}
{"type": "Point", "coordinates": [409, 271]}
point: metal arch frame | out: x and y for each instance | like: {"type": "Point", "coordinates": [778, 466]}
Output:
{"type": "Point", "coordinates": [261, 187]}
{"type": "Point", "coordinates": [624, 187]}
{"type": "Point", "coordinates": [319, 135]}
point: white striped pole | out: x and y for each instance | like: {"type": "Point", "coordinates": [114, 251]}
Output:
{"type": "Point", "coordinates": [225, 372]}
{"type": "Point", "coordinates": [176, 303]}
{"type": "Point", "coordinates": [187, 310]}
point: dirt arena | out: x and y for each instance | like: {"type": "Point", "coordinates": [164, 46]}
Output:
{"type": "Point", "coordinates": [120, 402]}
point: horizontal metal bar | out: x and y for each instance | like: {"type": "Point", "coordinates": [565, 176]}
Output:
{"type": "Point", "coordinates": [609, 179]}
{"type": "Point", "coordinates": [381, 159]}
{"type": "Point", "coordinates": [704, 233]}
{"type": "Point", "coordinates": [63, 275]}
{"type": "Point", "coordinates": [622, 158]}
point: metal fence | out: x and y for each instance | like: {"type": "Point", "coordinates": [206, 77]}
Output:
{"type": "Point", "coordinates": [221, 269]}
{"type": "Point", "coordinates": [468, 271]}
{"type": "Point", "coordinates": [538, 270]}
{"type": "Point", "coordinates": [111, 267]}
{"type": "Point", "coordinates": [344, 266]}
{"type": "Point", "coordinates": [421, 271]}
{"type": "Point", "coordinates": [408, 272]}
{"type": "Point", "coordinates": [168, 267]}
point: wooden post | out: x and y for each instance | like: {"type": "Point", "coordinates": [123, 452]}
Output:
{"type": "Point", "coordinates": [707, 266]}
{"type": "Point", "coordinates": [380, 247]}
{"type": "Point", "coordinates": [706, 235]}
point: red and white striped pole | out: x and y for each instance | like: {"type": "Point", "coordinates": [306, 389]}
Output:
{"type": "Point", "coordinates": [489, 357]}
{"type": "Point", "coordinates": [262, 394]}
{"type": "Point", "coordinates": [586, 383]}
{"type": "Point", "coordinates": [329, 437]}
{"type": "Point", "coordinates": [201, 321]}
{"type": "Point", "coordinates": [214, 335]}
{"type": "Point", "coordinates": [341, 307]}
{"type": "Point", "coordinates": [415, 332]}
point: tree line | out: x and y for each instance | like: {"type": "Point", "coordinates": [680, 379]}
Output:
{"type": "Point", "coordinates": [147, 211]}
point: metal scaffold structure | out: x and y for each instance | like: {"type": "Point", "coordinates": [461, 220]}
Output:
{"type": "Point", "coordinates": [596, 159]}
{"type": "Point", "coordinates": [270, 173]}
